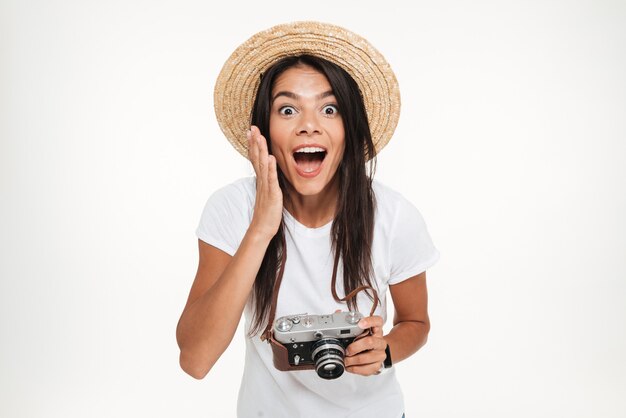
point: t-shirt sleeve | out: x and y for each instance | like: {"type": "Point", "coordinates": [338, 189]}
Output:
{"type": "Point", "coordinates": [412, 249]}
{"type": "Point", "coordinates": [225, 219]}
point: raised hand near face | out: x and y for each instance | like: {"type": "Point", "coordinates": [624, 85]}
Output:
{"type": "Point", "coordinates": [268, 207]}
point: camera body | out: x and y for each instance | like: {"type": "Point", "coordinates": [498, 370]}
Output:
{"type": "Point", "coordinates": [318, 341]}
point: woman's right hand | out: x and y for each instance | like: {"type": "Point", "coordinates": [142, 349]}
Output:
{"type": "Point", "coordinates": [268, 207]}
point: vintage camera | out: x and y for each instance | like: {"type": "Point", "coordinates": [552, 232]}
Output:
{"type": "Point", "coordinates": [318, 341]}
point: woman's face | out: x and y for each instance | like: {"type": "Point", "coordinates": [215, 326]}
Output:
{"type": "Point", "coordinates": [306, 129]}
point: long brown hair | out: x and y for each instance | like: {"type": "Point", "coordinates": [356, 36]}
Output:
{"type": "Point", "coordinates": [353, 226]}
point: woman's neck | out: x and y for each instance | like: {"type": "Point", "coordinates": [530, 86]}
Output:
{"type": "Point", "coordinates": [315, 210]}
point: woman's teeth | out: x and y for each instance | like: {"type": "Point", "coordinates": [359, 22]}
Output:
{"type": "Point", "coordinates": [309, 150]}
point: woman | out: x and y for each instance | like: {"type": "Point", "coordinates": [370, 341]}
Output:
{"type": "Point", "coordinates": [312, 213]}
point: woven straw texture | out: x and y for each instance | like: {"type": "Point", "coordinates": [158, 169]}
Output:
{"type": "Point", "coordinates": [239, 79]}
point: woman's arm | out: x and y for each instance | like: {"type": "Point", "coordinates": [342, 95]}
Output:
{"type": "Point", "coordinates": [223, 283]}
{"type": "Point", "coordinates": [216, 301]}
{"type": "Point", "coordinates": [409, 332]}
{"type": "Point", "coordinates": [410, 322]}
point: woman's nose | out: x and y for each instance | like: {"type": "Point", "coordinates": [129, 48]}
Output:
{"type": "Point", "coordinates": [308, 125]}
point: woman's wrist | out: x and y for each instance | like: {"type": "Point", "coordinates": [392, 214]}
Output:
{"type": "Point", "coordinates": [259, 236]}
{"type": "Point", "coordinates": [405, 339]}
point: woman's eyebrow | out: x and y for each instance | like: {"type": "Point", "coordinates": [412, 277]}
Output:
{"type": "Point", "coordinates": [294, 96]}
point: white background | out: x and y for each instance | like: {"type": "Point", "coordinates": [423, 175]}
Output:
{"type": "Point", "coordinates": [512, 143]}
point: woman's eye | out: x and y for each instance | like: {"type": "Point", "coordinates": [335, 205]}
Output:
{"type": "Point", "coordinates": [330, 110]}
{"type": "Point", "coordinates": [287, 110]}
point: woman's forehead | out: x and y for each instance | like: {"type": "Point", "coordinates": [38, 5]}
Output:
{"type": "Point", "coordinates": [302, 80]}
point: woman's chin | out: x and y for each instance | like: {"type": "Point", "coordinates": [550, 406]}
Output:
{"type": "Point", "coordinates": [309, 186]}
{"type": "Point", "coordinates": [308, 189]}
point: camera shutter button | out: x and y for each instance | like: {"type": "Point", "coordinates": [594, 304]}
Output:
{"type": "Point", "coordinates": [283, 325]}
{"type": "Point", "coordinates": [353, 318]}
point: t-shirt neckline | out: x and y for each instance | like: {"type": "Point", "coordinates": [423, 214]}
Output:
{"type": "Point", "coordinates": [295, 226]}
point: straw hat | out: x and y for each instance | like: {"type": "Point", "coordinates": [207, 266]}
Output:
{"type": "Point", "coordinates": [238, 82]}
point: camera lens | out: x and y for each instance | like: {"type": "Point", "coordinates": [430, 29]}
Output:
{"type": "Point", "coordinates": [328, 356]}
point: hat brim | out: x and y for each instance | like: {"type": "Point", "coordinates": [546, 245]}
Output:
{"type": "Point", "coordinates": [239, 79]}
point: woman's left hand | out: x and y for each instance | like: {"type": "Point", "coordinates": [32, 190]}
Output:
{"type": "Point", "coordinates": [366, 355]}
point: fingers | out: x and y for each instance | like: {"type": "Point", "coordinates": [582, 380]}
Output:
{"type": "Point", "coordinates": [366, 344]}
{"type": "Point", "coordinates": [367, 370]}
{"type": "Point", "coordinates": [263, 153]}
{"type": "Point", "coordinates": [375, 323]}
{"type": "Point", "coordinates": [268, 205]}
{"type": "Point", "coordinates": [253, 150]}
{"type": "Point", "coordinates": [360, 359]}
{"type": "Point", "coordinates": [258, 152]}
{"type": "Point", "coordinates": [364, 356]}
{"type": "Point", "coordinates": [371, 322]}
{"type": "Point", "coordinates": [272, 173]}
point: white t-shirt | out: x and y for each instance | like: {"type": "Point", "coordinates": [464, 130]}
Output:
{"type": "Point", "coordinates": [401, 248]}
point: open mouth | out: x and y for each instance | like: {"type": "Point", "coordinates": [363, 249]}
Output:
{"type": "Point", "coordinates": [309, 159]}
